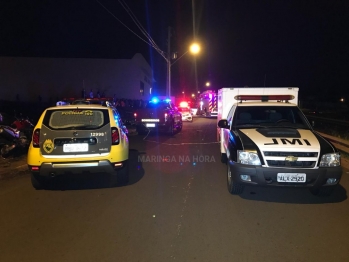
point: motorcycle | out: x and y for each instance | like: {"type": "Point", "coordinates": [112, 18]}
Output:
{"type": "Point", "coordinates": [23, 125]}
{"type": "Point", "coordinates": [15, 139]}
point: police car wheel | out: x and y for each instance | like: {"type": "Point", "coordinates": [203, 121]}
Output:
{"type": "Point", "coordinates": [171, 129]}
{"type": "Point", "coordinates": [224, 158]}
{"type": "Point", "coordinates": [233, 187]}
{"type": "Point", "coordinates": [322, 191]}
{"type": "Point", "coordinates": [120, 177]}
{"type": "Point", "coordinates": [113, 182]}
{"type": "Point", "coordinates": [38, 182]}
{"type": "Point", "coordinates": [123, 174]}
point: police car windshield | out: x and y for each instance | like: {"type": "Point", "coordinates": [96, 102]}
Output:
{"type": "Point", "coordinates": [269, 116]}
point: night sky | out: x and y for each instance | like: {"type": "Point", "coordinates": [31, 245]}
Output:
{"type": "Point", "coordinates": [285, 43]}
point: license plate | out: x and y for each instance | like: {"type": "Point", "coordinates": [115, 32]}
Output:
{"type": "Point", "coordinates": [150, 125]}
{"type": "Point", "coordinates": [291, 178]}
{"type": "Point", "coordinates": [78, 147]}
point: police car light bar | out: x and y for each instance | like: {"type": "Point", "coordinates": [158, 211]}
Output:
{"type": "Point", "coordinates": [183, 104]}
{"type": "Point", "coordinates": [264, 98]}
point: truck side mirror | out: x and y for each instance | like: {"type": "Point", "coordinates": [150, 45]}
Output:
{"type": "Point", "coordinates": [223, 123]}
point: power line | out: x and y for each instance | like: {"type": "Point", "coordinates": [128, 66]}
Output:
{"type": "Point", "coordinates": [150, 41]}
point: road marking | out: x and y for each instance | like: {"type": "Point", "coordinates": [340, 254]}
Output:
{"type": "Point", "coordinates": [181, 144]}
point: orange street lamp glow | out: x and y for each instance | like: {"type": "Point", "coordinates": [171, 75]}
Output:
{"type": "Point", "coordinates": [194, 48]}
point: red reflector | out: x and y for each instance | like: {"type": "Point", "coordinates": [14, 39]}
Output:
{"type": "Point", "coordinates": [264, 97]}
{"type": "Point", "coordinates": [183, 104]}
{"type": "Point", "coordinates": [34, 168]}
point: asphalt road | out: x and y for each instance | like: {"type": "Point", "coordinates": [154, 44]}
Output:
{"type": "Point", "coordinates": [175, 208]}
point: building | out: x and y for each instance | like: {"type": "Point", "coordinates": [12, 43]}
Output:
{"type": "Point", "coordinates": [51, 79]}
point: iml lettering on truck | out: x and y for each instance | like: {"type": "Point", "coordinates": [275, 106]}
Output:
{"type": "Point", "coordinates": [285, 141]}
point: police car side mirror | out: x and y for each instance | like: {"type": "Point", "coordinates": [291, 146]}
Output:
{"type": "Point", "coordinates": [223, 123]}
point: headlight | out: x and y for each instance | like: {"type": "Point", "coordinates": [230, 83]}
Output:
{"type": "Point", "coordinates": [333, 159]}
{"type": "Point", "coordinates": [248, 158]}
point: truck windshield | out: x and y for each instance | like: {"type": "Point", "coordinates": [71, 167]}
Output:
{"type": "Point", "coordinates": [290, 116]}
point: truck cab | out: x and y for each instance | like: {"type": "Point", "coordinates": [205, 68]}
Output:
{"type": "Point", "coordinates": [266, 140]}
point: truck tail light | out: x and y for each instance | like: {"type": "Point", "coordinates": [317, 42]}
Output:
{"type": "Point", "coordinates": [115, 138]}
{"type": "Point", "coordinates": [36, 138]}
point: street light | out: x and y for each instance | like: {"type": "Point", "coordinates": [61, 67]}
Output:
{"type": "Point", "coordinates": [194, 49]}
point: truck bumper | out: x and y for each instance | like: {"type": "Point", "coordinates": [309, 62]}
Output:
{"type": "Point", "coordinates": [266, 176]}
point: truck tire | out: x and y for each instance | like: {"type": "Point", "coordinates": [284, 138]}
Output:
{"type": "Point", "coordinates": [233, 187]}
{"type": "Point", "coordinates": [38, 182]}
{"type": "Point", "coordinates": [322, 191]}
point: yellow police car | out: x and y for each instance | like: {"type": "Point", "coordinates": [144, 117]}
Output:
{"type": "Point", "coordinates": [79, 138]}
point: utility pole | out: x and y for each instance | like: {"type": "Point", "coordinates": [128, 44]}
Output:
{"type": "Point", "coordinates": [194, 35]}
{"type": "Point", "coordinates": [168, 89]}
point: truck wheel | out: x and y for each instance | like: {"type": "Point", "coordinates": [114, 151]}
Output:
{"type": "Point", "coordinates": [233, 187]}
{"type": "Point", "coordinates": [38, 182]}
{"type": "Point", "coordinates": [322, 191]}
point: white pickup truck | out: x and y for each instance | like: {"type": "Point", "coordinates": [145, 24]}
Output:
{"type": "Point", "coordinates": [266, 140]}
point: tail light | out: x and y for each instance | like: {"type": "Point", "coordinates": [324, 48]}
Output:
{"type": "Point", "coordinates": [115, 138]}
{"type": "Point", "coordinates": [165, 116]}
{"type": "Point", "coordinates": [36, 138]}
{"type": "Point", "coordinates": [135, 115]}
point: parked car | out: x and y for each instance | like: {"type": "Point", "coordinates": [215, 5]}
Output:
{"type": "Point", "coordinates": [76, 139]}
{"type": "Point", "coordinates": [186, 114]}
{"type": "Point", "coordinates": [159, 115]}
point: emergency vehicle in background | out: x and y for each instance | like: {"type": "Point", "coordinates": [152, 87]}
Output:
{"type": "Point", "coordinates": [184, 108]}
{"type": "Point", "coordinates": [158, 115]}
{"type": "Point", "coordinates": [208, 103]}
{"type": "Point", "coordinates": [266, 140]}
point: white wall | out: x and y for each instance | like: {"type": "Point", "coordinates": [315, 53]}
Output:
{"type": "Point", "coordinates": [55, 78]}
